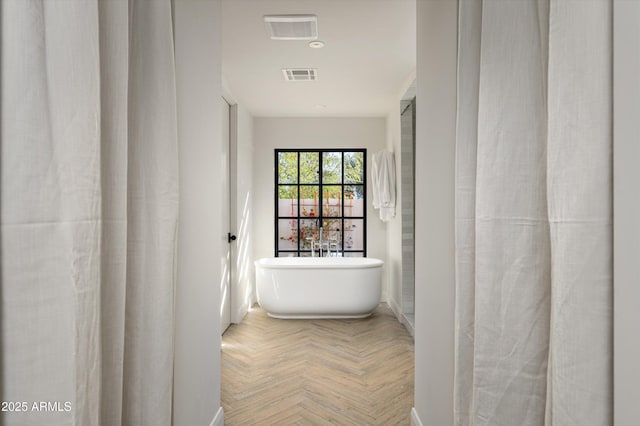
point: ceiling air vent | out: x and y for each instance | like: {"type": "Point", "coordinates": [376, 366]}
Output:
{"type": "Point", "coordinates": [292, 27]}
{"type": "Point", "coordinates": [300, 74]}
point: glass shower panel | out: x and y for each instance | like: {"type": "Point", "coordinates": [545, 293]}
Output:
{"type": "Point", "coordinates": [407, 182]}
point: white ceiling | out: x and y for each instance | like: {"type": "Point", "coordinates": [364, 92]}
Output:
{"type": "Point", "coordinates": [369, 54]}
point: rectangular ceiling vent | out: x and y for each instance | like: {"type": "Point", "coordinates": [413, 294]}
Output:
{"type": "Point", "coordinates": [300, 74]}
{"type": "Point", "coordinates": [292, 27]}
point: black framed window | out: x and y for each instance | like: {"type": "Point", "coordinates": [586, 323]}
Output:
{"type": "Point", "coordinates": [320, 187]}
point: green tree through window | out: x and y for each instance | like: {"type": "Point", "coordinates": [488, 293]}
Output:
{"type": "Point", "coordinates": [323, 187]}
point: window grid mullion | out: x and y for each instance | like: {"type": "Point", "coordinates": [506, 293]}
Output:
{"type": "Point", "coordinates": [321, 216]}
{"type": "Point", "coordinates": [299, 221]}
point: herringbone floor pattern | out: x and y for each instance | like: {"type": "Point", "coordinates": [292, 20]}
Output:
{"type": "Point", "coordinates": [317, 372]}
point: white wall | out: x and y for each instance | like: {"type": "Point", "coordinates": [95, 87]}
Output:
{"type": "Point", "coordinates": [434, 243]}
{"type": "Point", "coordinates": [196, 399]}
{"type": "Point", "coordinates": [626, 212]}
{"type": "Point", "coordinates": [243, 292]}
{"type": "Point", "coordinates": [272, 133]}
{"type": "Point", "coordinates": [394, 226]}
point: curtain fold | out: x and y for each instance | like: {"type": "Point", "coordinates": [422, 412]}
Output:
{"type": "Point", "coordinates": [579, 191]}
{"type": "Point", "coordinates": [533, 213]}
{"type": "Point", "coordinates": [469, 18]}
{"type": "Point", "coordinates": [89, 204]}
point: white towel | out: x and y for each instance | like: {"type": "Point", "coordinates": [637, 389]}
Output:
{"type": "Point", "coordinates": [383, 176]}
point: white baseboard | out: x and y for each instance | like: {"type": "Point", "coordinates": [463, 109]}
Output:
{"type": "Point", "coordinates": [397, 311]}
{"type": "Point", "coordinates": [408, 325]}
{"type": "Point", "coordinates": [240, 313]}
{"type": "Point", "coordinates": [395, 308]}
{"type": "Point", "coordinates": [415, 419]}
{"type": "Point", "coordinates": [242, 310]}
{"type": "Point", "coordinates": [218, 420]}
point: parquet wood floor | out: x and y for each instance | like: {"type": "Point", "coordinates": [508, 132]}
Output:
{"type": "Point", "coordinates": [317, 372]}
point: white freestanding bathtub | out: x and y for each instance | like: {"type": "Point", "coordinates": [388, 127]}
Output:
{"type": "Point", "coordinates": [319, 287]}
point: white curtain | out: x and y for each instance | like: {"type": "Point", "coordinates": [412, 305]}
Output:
{"type": "Point", "coordinates": [89, 208]}
{"type": "Point", "coordinates": [533, 213]}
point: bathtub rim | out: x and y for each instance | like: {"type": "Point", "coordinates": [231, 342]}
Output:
{"type": "Point", "coordinates": [318, 262]}
{"type": "Point", "coordinates": [318, 316]}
